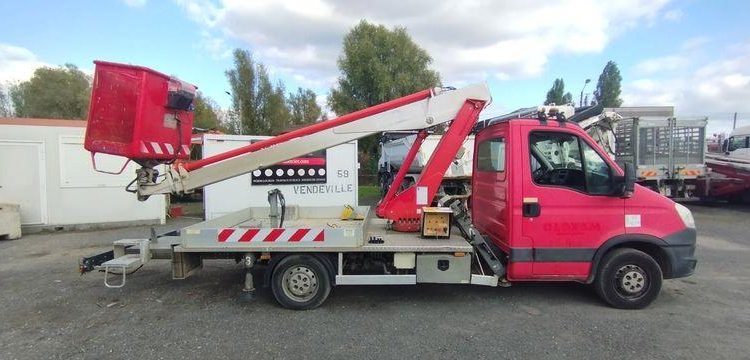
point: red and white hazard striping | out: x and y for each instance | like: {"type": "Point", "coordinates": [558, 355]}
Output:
{"type": "Point", "coordinates": [153, 147]}
{"type": "Point", "coordinates": [270, 235]}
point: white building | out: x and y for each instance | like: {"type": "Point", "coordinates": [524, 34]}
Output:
{"type": "Point", "coordinates": [45, 169]}
{"type": "Point", "coordinates": [324, 178]}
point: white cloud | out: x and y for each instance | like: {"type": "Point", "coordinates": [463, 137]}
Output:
{"type": "Point", "coordinates": [720, 85]}
{"type": "Point", "coordinates": [662, 64]}
{"type": "Point", "coordinates": [695, 43]}
{"type": "Point", "coordinates": [204, 12]}
{"type": "Point", "coordinates": [135, 3]}
{"type": "Point", "coordinates": [17, 64]}
{"type": "Point", "coordinates": [469, 40]}
{"type": "Point", "coordinates": [215, 46]}
{"type": "Point", "coordinates": [673, 15]}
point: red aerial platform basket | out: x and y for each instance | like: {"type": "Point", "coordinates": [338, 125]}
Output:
{"type": "Point", "coordinates": [139, 113]}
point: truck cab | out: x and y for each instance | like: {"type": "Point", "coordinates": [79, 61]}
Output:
{"type": "Point", "coordinates": [552, 201]}
{"type": "Point", "coordinates": [738, 144]}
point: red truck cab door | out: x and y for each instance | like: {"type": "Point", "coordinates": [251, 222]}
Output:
{"type": "Point", "coordinates": [567, 208]}
{"type": "Point", "coordinates": [491, 184]}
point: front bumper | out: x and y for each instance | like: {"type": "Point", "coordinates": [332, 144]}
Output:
{"type": "Point", "coordinates": [680, 249]}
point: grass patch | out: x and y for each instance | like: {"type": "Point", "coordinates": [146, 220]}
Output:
{"type": "Point", "coordinates": [368, 193]}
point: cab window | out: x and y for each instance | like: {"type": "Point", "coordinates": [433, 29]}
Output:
{"type": "Point", "coordinates": [491, 155]}
{"type": "Point", "coordinates": [598, 172]}
{"type": "Point", "coordinates": [561, 159]}
{"type": "Point", "coordinates": [738, 142]}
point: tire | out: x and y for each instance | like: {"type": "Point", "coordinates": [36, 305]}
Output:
{"type": "Point", "coordinates": [628, 279]}
{"type": "Point", "coordinates": [300, 282]}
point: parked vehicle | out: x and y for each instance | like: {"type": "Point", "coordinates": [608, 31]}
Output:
{"type": "Point", "coordinates": [737, 146]}
{"type": "Point", "coordinates": [393, 149]}
{"type": "Point", "coordinates": [669, 153]}
{"type": "Point", "coordinates": [548, 204]}
{"type": "Point", "coordinates": [729, 176]}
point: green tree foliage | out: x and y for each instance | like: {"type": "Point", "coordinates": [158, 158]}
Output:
{"type": "Point", "coordinates": [303, 107]}
{"type": "Point", "coordinates": [608, 87]}
{"type": "Point", "coordinates": [244, 82]}
{"type": "Point", "coordinates": [567, 98]}
{"type": "Point", "coordinates": [206, 113]}
{"type": "Point", "coordinates": [61, 93]}
{"type": "Point", "coordinates": [275, 109]}
{"type": "Point", "coordinates": [557, 94]}
{"type": "Point", "coordinates": [258, 106]}
{"type": "Point", "coordinates": [378, 65]}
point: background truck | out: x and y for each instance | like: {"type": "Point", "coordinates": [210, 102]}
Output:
{"type": "Point", "coordinates": [669, 152]}
{"type": "Point", "coordinates": [393, 149]}
{"type": "Point", "coordinates": [537, 214]}
{"type": "Point", "coordinates": [729, 176]}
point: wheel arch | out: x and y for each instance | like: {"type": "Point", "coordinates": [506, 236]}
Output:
{"type": "Point", "coordinates": [326, 258]}
{"type": "Point", "coordinates": [649, 244]}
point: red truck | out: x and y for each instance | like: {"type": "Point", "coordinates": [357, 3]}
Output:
{"type": "Point", "coordinates": [547, 204]}
{"type": "Point", "coordinates": [575, 216]}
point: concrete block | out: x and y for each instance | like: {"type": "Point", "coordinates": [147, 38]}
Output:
{"type": "Point", "coordinates": [10, 221]}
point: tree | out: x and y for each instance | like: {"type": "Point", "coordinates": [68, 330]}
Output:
{"type": "Point", "coordinates": [258, 106]}
{"type": "Point", "coordinates": [303, 107]}
{"type": "Point", "coordinates": [205, 113]}
{"type": "Point", "coordinates": [608, 87]}
{"type": "Point", "coordinates": [5, 108]}
{"type": "Point", "coordinates": [243, 82]}
{"type": "Point", "coordinates": [274, 109]}
{"type": "Point", "coordinates": [61, 93]}
{"type": "Point", "coordinates": [557, 94]}
{"type": "Point", "coordinates": [378, 65]}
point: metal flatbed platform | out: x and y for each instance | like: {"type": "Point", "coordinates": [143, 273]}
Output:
{"type": "Point", "coordinates": [317, 229]}
{"type": "Point", "coordinates": [394, 241]}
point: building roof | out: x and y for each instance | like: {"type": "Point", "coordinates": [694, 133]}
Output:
{"type": "Point", "coordinates": [42, 122]}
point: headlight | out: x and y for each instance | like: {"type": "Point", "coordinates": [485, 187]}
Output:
{"type": "Point", "coordinates": [685, 215]}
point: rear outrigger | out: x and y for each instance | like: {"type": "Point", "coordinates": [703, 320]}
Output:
{"type": "Point", "coordinates": [547, 205]}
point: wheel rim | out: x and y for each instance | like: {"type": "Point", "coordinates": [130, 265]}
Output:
{"type": "Point", "coordinates": [631, 281]}
{"type": "Point", "coordinates": [300, 283]}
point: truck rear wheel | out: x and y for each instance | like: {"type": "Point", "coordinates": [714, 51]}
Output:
{"type": "Point", "coordinates": [628, 279]}
{"type": "Point", "coordinates": [300, 282]}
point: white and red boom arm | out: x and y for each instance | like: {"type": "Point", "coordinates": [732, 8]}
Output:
{"type": "Point", "coordinates": [416, 111]}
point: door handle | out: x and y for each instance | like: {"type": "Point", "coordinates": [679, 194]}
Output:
{"type": "Point", "coordinates": [531, 208]}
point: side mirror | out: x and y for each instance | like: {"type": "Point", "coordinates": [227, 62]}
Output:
{"type": "Point", "coordinates": [629, 185]}
{"type": "Point", "coordinates": [625, 185]}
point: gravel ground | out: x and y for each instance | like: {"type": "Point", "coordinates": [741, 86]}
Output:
{"type": "Point", "coordinates": [47, 310]}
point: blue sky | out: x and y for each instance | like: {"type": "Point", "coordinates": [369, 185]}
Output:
{"type": "Point", "coordinates": [694, 55]}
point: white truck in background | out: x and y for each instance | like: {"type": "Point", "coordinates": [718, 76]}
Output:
{"type": "Point", "coordinates": [393, 149]}
{"type": "Point", "coordinates": [737, 147]}
{"type": "Point", "coordinates": [668, 152]}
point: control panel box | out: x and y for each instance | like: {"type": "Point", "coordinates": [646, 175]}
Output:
{"type": "Point", "coordinates": [436, 222]}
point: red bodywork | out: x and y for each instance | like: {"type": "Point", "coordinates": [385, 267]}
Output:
{"type": "Point", "coordinates": [732, 181]}
{"type": "Point", "coordinates": [560, 243]}
{"type": "Point", "coordinates": [129, 114]}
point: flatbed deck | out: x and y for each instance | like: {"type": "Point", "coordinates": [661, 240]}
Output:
{"type": "Point", "coordinates": [318, 229]}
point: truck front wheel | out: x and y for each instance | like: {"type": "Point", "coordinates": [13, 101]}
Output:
{"type": "Point", "coordinates": [628, 279]}
{"type": "Point", "coordinates": [300, 282]}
